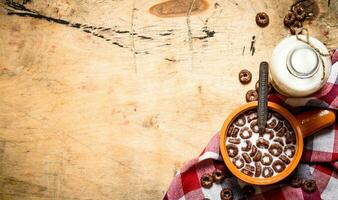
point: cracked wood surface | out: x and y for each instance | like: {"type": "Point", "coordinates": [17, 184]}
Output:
{"type": "Point", "coordinates": [104, 100]}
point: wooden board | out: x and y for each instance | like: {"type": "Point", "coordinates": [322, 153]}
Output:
{"type": "Point", "coordinates": [104, 100]}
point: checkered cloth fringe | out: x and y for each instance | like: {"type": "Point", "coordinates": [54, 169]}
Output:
{"type": "Point", "coordinates": [319, 161]}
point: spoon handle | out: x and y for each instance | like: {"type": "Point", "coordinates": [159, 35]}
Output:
{"type": "Point", "coordinates": [262, 108]}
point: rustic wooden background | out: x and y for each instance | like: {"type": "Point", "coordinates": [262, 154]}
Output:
{"type": "Point", "coordinates": [106, 99]}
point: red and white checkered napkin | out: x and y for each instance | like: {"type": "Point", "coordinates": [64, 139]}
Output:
{"type": "Point", "coordinates": [319, 161]}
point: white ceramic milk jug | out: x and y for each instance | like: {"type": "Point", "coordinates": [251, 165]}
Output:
{"type": "Point", "coordinates": [299, 68]}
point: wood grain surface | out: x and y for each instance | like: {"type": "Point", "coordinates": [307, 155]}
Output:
{"type": "Point", "coordinates": [106, 99]}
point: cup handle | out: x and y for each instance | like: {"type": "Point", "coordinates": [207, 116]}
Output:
{"type": "Point", "coordinates": [315, 120]}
